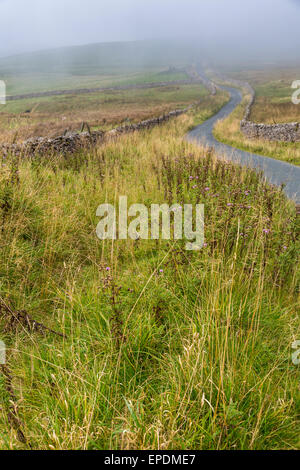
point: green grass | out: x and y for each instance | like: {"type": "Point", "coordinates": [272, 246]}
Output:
{"type": "Point", "coordinates": [107, 99]}
{"type": "Point", "coordinates": [197, 356]}
{"type": "Point", "coordinates": [37, 82]}
{"type": "Point", "coordinates": [276, 91]}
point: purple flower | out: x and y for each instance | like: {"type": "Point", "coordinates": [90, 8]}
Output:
{"type": "Point", "coordinates": [285, 248]}
{"type": "Point", "coordinates": [206, 189]}
{"type": "Point", "coordinates": [107, 269]}
{"type": "Point", "coordinates": [266, 230]}
{"type": "Point", "coordinates": [229, 204]}
{"type": "Point", "coordinates": [194, 187]}
{"type": "Point", "coordinates": [161, 270]}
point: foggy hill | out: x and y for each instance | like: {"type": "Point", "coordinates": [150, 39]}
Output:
{"type": "Point", "coordinates": [103, 57]}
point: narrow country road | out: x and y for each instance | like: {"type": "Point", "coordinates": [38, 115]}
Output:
{"type": "Point", "coordinates": [275, 171]}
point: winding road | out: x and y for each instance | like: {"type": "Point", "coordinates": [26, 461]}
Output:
{"type": "Point", "coordinates": [275, 171]}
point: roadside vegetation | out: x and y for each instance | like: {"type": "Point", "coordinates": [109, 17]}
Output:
{"type": "Point", "coordinates": [161, 348]}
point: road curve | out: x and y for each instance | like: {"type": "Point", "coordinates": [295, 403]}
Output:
{"type": "Point", "coordinates": [275, 171]}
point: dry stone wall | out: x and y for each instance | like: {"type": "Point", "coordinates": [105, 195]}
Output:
{"type": "Point", "coordinates": [209, 84]}
{"type": "Point", "coordinates": [289, 132]}
{"type": "Point", "coordinates": [72, 142]}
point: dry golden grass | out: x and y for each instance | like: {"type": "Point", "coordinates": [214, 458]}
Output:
{"type": "Point", "coordinates": [26, 126]}
{"type": "Point", "coordinates": [274, 113]}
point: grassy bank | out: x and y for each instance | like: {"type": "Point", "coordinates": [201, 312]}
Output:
{"type": "Point", "coordinates": [162, 348]}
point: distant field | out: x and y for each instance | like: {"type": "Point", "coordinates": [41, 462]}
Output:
{"type": "Point", "coordinates": [93, 65]}
{"type": "Point", "coordinates": [273, 94]}
{"type": "Point", "coordinates": [52, 115]}
{"type": "Point", "coordinates": [38, 82]}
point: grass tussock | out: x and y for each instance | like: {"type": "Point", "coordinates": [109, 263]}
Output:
{"type": "Point", "coordinates": [162, 348]}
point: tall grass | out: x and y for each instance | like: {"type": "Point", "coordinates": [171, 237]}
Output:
{"type": "Point", "coordinates": [162, 348]}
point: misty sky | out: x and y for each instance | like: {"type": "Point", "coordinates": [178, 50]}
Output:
{"type": "Point", "coordinates": [38, 24]}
